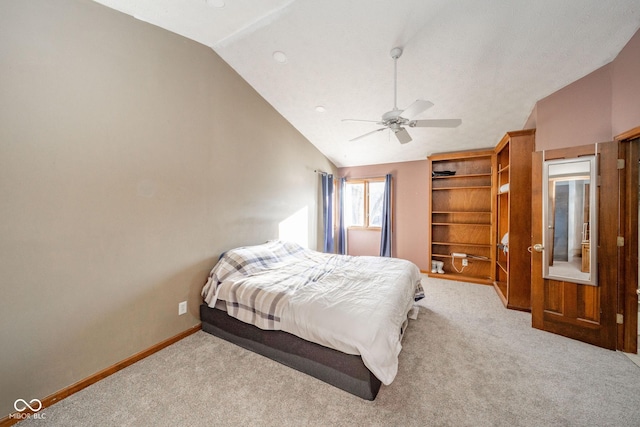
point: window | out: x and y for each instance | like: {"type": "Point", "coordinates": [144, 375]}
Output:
{"type": "Point", "coordinates": [363, 201]}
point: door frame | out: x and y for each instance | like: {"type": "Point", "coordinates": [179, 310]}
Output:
{"type": "Point", "coordinates": [627, 298]}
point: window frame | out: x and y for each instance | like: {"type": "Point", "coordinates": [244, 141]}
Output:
{"type": "Point", "coordinates": [366, 182]}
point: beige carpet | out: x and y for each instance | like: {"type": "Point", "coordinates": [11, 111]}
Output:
{"type": "Point", "coordinates": [466, 361]}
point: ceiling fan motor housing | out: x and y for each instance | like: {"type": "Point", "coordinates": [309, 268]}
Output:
{"type": "Point", "coordinates": [396, 52]}
{"type": "Point", "coordinates": [390, 116]}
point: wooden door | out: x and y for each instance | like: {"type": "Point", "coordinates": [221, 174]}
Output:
{"type": "Point", "coordinates": [583, 312]}
{"type": "Point", "coordinates": [628, 255]}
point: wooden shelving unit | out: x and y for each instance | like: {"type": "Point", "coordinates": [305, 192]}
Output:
{"type": "Point", "coordinates": [461, 215]}
{"type": "Point", "coordinates": [513, 218]}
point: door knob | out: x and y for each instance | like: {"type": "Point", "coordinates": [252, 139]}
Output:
{"type": "Point", "coordinates": [537, 247]}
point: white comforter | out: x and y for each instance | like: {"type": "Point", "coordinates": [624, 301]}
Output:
{"type": "Point", "coordinates": [356, 305]}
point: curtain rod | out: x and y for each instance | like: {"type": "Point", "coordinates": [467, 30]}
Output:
{"type": "Point", "coordinates": [320, 172]}
{"type": "Point", "coordinates": [369, 176]}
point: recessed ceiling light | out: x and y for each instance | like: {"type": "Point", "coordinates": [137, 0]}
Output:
{"type": "Point", "coordinates": [321, 109]}
{"type": "Point", "coordinates": [280, 57]}
{"type": "Point", "coordinates": [215, 3]}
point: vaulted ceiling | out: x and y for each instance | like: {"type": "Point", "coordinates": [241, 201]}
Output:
{"type": "Point", "coordinates": [485, 62]}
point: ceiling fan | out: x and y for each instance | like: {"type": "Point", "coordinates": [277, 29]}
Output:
{"type": "Point", "coordinates": [397, 120]}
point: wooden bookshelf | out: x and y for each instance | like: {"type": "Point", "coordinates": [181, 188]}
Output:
{"type": "Point", "coordinates": [461, 215]}
{"type": "Point", "coordinates": [513, 217]}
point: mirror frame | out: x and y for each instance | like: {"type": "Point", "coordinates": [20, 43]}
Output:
{"type": "Point", "coordinates": [593, 220]}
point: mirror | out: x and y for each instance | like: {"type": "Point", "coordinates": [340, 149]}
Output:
{"type": "Point", "coordinates": [569, 220]}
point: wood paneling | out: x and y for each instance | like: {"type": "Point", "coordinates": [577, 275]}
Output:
{"type": "Point", "coordinates": [554, 297]}
{"type": "Point", "coordinates": [476, 234]}
{"type": "Point", "coordinates": [627, 301]}
{"type": "Point", "coordinates": [588, 303]}
{"type": "Point", "coordinates": [469, 199]}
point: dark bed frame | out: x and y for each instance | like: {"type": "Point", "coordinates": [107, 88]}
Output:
{"type": "Point", "coordinates": [341, 370]}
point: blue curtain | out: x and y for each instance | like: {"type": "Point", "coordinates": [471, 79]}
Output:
{"type": "Point", "coordinates": [385, 238]}
{"type": "Point", "coordinates": [327, 211]}
{"type": "Point", "coordinates": [342, 233]}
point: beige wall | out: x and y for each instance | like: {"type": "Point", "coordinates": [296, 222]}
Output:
{"type": "Point", "coordinates": [130, 158]}
{"type": "Point", "coordinates": [625, 88]}
{"type": "Point", "coordinates": [410, 207]}
{"type": "Point", "coordinates": [577, 114]}
{"type": "Point", "coordinates": [595, 108]}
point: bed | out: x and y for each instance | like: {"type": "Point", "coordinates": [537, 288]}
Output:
{"type": "Point", "coordinates": [338, 318]}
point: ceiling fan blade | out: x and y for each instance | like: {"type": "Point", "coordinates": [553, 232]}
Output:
{"type": "Point", "coordinates": [416, 108]}
{"type": "Point", "coordinates": [359, 120]}
{"type": "Point", "coordinates": [367, 134]}
{"type": "Point", "coordinates": [403, 136]}
{"type": "Point", "coordinates": [436, 123]}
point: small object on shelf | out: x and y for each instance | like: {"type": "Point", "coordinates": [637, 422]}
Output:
{"type": "Point", "coordinates": [505, 243]}
{"type": "Point", "coordinates": [504, 188]}
{"type": "Point", "coordinates": [437, 267]}
{"type": "Point", "coordinates": [464, 262]}
{"type": "Point", "coordinates": [443, 173]}
{"type": "Point", "coordinates": [479, 257]}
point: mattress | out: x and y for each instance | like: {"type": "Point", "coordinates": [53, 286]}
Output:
{"type": "Point", "coordinates": [355, 305]}
{"type": "Point", "coordinates": [344, 371]}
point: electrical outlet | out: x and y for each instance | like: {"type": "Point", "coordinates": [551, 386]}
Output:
{"type": "Point", "coordinates": [182, 308]}
{"type": "Point", "coordinates": [465, 262]}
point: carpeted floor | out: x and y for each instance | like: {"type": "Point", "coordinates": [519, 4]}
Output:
{"type": "Point", "coordinates": [466, 361]}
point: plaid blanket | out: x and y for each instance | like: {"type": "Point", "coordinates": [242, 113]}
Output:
{"type": "Point", "coordinates": [263, 277]}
